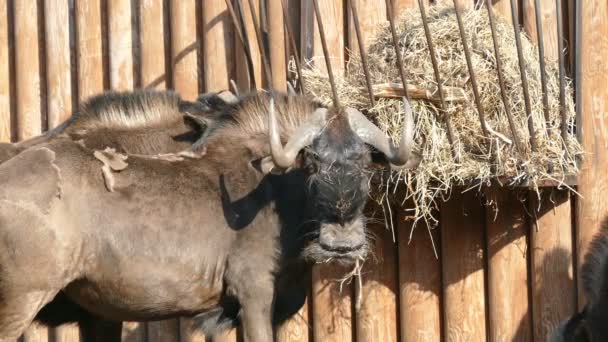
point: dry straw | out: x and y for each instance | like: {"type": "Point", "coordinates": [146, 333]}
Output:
{"type": "Point", "coordinates": [481, 160]}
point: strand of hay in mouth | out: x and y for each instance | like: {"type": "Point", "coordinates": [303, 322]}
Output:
{"type": "Point", "coordinates": [481, 159]}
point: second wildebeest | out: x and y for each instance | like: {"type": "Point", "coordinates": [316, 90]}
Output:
{"type": "Point", "coordinates": [225, 236]}
{"type": "Point", "coordinates": [591, 323]}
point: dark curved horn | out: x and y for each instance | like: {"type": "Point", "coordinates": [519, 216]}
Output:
{"type": "Point", "coordinates": [372, 135]}
{"type": "Point", "coordinates": [302, 137]}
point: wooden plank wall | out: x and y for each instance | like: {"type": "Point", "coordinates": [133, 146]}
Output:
{"type": "Point", "coordinates": [501, 265]}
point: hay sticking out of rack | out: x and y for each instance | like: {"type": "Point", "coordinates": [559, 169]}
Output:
{"type": "Point", "coordinates": [481, 160]}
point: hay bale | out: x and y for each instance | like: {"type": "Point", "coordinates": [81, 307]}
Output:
{"type": "Point", "coordinates": [481, 159]}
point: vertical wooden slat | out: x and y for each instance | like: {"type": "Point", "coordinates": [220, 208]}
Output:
{"type": "Point", "coordinates": [419, 283]}
{"type": "Point", "coordinates": [188, 332]}
{"type": "Point", "coordinates": [462, 245]}
{"type": "Point", "coordinates": [399, 6]}
{"type": "Point", "coordinates": [332, 308]}
{"type": "Point", "coordinates": [184, 48]}
{"type": "Point", "coordinates": [90, 56]}
{"type": "Point", "coordinates": [120, 44]}
{"type": "Point", "coordinates": [377, 319]}
{"type": "Point", "coordinates": [58, 69]}
{"type": "Point", "coordinates": [5, 104]}
{"type": "Point", "coordinates": [152, 37]}
{"type": "Point", "coordinates": [507, 228]}
{"type": "Point", "coordinates": [163, 331]}
{"type": "Point", "coordinates": [218, 40]}
{"type": "Point", "coordinates": [549, 22]}
{"type": "Point", "coordinates": [332, 14]}
{"type": "Point", "coordinates": [242, 71]}
{"type": "Point", "coordinates": [554, 297]}
{"type": "Point", "coordinates": [276, 35]}
{"type": "Point", "coordinates": [297, 328]}
{"type": "Point", "coordinates": [592, 181]}
{"type": "Point", "coordinates": [228, 336]}
{"type": "Point", "coordinates": [36, 333]}
{"type": "Point", "coordinates": [502, 8]}
{"type": "Point", "coordinates": [133, 332]}
{"type": "Point", "coordinates": [371, 15]}
{"type": "Point", "coordinates": [67, 333]}
{"type": "Point", "coordinates": [27, 69]}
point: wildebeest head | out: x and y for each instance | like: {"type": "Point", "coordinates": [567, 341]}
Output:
{"type": "Point", "coordinates": [332, 149]}
{"type": "Point", "coordinates": [589, 325]}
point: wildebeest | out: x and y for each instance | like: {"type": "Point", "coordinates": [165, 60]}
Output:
{"type": "Point", "coordinates": [135, 122]}
{"type": "Point", "coordinates": [224, 235]}
{"type": "Point", "coordinates": [591, 323]}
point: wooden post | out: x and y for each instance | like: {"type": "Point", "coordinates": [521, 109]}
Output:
{"type": "Point", "coordinates": [133, 332]}
{"type": "Point", "coordinates": [242, 70]}
{"type": "Point", "coordinates": [58, 69]}
{"type": "Point", "coordinates": [27, 70]}
{"type": "Point", "coordinates": [184, 48]}
{"type": "Point", "coordinates": [377, 319]}
{"type": "Point", "coordinates": [592, 181]}
{"type": "Point", "coordinates": [121, 44]}
{"type": "Point", "coordinates": [276, 35]}
{"type": "Point", "coordinates": [90, 60]}
{"type": "Point", "coordinates": [371, 15]}
{"type": "Point", "coordinates": [332, 14]}
{"type": "Point", "coordinates": [68, 333]}
{"type": "Point", "coordinates": [218, 46]}
{"type": "Point", "coordinates": [163, 331]}
{"type": "Point", "coordinates": [152, 38]}
{"type": "Point", "coordinates": [419, 282]}
{"type": "Point", "coordinates": [5, 102]}
{"type": "Point", "coordinates": [554, 296]}
{"type": "Point", "coordinates": [507, 229]}
{"type": "Point", "coordinates": [549, 25]}
{"type": "Point", "coordinates": [399, 6]}
{"type": "Point", "coordinates": [297, 328]}
{"type": "Point", "coordinates": [332, 307]}
{"type": "Point", "coordinates": [462, 252]}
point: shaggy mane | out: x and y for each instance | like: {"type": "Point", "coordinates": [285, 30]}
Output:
{"type": "Point", "coordinates": [594, 271]}
{"type": "Point", "coordinates": [129, 110]}
{"type": "Point", "coordinates": [250, 115]}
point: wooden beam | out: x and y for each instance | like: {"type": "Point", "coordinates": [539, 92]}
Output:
{"type": "Point", "coordinates": [399, 6]}
{"type": "Point", "coordinates": [5, 92]}
{"type": "Point", "coordinates": [506, 238]}
{"type": "Point", "coordinates": [152, 38]}
{"type": "Point", "coordinates": [27, 69]}
{"type": "Point", "coordinates": [593, 180]}
{"type": "Point", "coordinates": [90, 56]}
{"type": "Point", "coordinates": [419, 282]}
{"type": "Point", "coordinates": [554, 296]}
{"type": "Point", "coordinates": [120, 36]}
{"type": "Point", "coordinates": [184, 48]}
{"type": "Point", "coordinates": [58, 68]}
{"type": "Point", "coordinates": [218, 46]}
{"type": "Point", "coordinates": [377, 318]}
{"type": "Point", "coordinates": [163, 331]}
{"type": "Point", "coordinates": [462, 252]}
{"type": "Point", "coordinates": [243, 79]}
{"type": "Point", "coordinates": [332, 307]}
{"type": "Point", "coordinates": [277, 36]}
{"type": "Point", "coordinates": [549, 25]}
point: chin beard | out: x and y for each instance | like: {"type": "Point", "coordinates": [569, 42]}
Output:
{"type": "Point", "coordinates": [316, 254]}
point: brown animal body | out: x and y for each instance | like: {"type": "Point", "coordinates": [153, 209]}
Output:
{"type": "Point", "coordinates": [590, 325]}
{"type": "Point", "coordinates": [223, 236]}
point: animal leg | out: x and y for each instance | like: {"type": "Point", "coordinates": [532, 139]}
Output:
{"type": "Point", "coordinates": [17, 311]}
{"type": "Point", "coordinates": [95, 329]}
{"type": "Point", "coordinates": [255, 293]}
